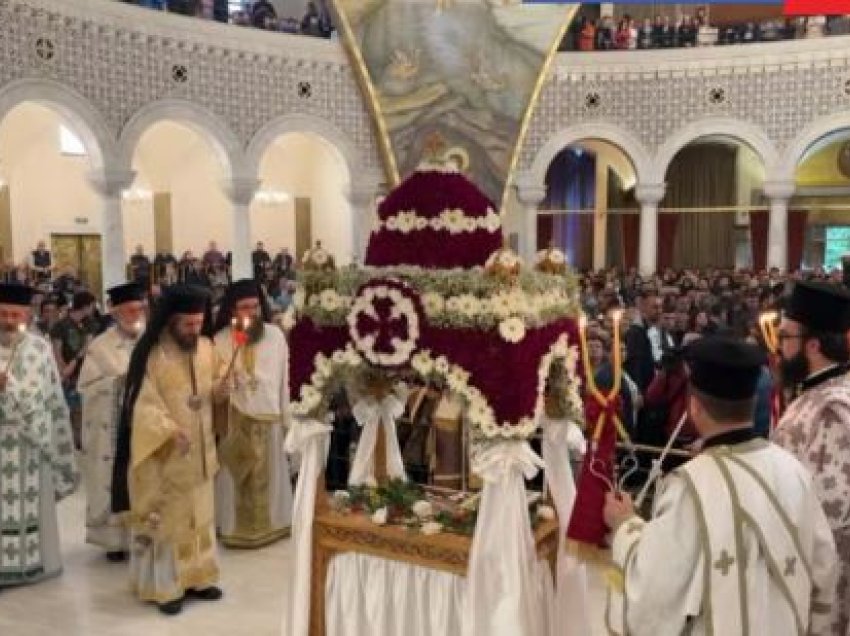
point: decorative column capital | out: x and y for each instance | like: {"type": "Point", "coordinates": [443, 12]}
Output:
{"type": "Point", "coordinates": [111, 183]}
{"type": "Point", "coordinates": [779, 190]}
{"type": "Point", "coordinates": [241, 190]}
{"type": "Point", "coordinates": [650, 193]}
{"type": "Point", "coordinates": [531, 194]}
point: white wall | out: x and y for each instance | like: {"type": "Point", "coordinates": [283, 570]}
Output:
{"type": "Point", "coordinates": [304, 165]}
{"type": "Point", "coordinates": [50, 193]}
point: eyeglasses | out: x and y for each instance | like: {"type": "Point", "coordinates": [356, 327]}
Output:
{"type": "Point", "coordinates": [789, 336]}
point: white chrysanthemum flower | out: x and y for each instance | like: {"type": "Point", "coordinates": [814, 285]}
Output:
{"type": "Point", "coordinates": [422, 509]}
{"type": "Point", "coordinates": [508, 259]}
{"type": "Point", "coordinates": [454, 220]}
{"type": "Point", "coordinates": [467, 305]}
{"type": "Point", "coordinates": [492, 222]}
{"type": "Point", "coordinates": [557, 257]}
{"type": "Point", "coordinates": [431, 527]}
{"type": "Point", "coordinates": [441, 365]}
{"type": "Point", "coordinates": [500, 305]}
{"type": "Point", "coordinates": [437, 224]}
{"type": "Point", "coordinates": [433, 303]}
{"type": "Point", "coordinates": [379, 517]}
{"type": "Point", "coordinates": [470, 224]}
{"type": "Point", "coordinates": [330, 300]}
{"type": "Point", "coordinates": [421, 223]}
{"type": "Point", "coordinates": [512, 330]}
{"type": "Point", "coordinates": [314, 301]}
{"type": "Point", "coordinates": [422, 363]}
{"type": "Point", "coordinates": [310, 398]}
{"type": "Point", "coordinates": [323, 365]}
{"type": "Point", "coordinates": [320, 256]}
{"type": "Point", "coordinates": [338, 357]}
{"type": "Point", "coordinates": [453, 305]}
{"type": "Point", "coordinates": [391, 224]}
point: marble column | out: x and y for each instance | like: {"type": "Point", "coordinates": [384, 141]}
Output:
{"type": "Point", "coordinates": [241, 191]}
{"type": "Point", "coordinates": [110, 184]}
{"type": "Point", "coordinates": [530, 196]}
{"type": "Point", "coordinates": [600, 216]}
{"type": "Point", "coordinates": [649, 195]}
{"type": "Point", "coordinates": [778, 194]}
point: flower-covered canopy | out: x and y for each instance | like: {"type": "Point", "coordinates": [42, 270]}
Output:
{"type": "Point", "coordinates": [439, 299]}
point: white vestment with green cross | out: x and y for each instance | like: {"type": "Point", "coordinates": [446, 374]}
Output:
{"type": "Point", "coordinates": [36, 461]}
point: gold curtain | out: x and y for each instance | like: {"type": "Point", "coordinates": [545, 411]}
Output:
{"type": "Point", "coordinates": [703, 175]}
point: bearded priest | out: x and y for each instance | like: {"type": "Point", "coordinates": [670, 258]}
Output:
{"type": "Point", "coordinates": [36, 448]}
{"type": "Point", "coordinates": [816, 426]}
{"type": "Point", "coordinates": [101, 385]}
{"type": "Point", "coordinates": [253, 490]}
{"type": "Point", "coordinates": [738, 542]}
{"type": "Point", "coordinates": [166, 461]}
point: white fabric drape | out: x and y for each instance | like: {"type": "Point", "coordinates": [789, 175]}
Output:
{"type": "Point", "coordinates": [570, 606]}
{"type": "Point", "coordinates": [310, 438]}
{"type": "Point", "coordinates": [371, 415]}
{"type": "Point", "coordinates": [379, 597]}
{"type": "Point", "coordinates": [506, 594]}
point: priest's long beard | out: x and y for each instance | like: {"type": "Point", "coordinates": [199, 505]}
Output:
{"type": "Point", "coordinates": [187, 342]}
{"type": "Point", "coordinates": [255, 330]}
{"type": "Point", "coordinates": [794, 369]}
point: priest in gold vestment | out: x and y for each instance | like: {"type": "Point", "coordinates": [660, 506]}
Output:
{"type": "Point", "coordinates": [166, 459]}
{"type": "Point", "coordinates": [253, 489]}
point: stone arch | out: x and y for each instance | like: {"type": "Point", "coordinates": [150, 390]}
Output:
{"type": "Point", "coordinates": [742, 131]}
{"type": "Point", "coordinates": [81, 115]}
{"type": "Point", "coordinates": [305, 124]}
{"type": "Point", "coordinates": [627, 143]}
{"type": "Point", "coordinates": [210, 126]}
{"type": "Point", "coordinates": [797, 147]}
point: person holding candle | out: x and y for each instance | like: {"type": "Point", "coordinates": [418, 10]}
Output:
{"type": "Point", "coordinates": [253, 490]}
{"type": "Point", "coordinates": [101, 386]}
{"type": "Point", "coordinates": [738, 542]}
{"type": "Point", "coordinates": [815, 427]}
{"type": "Point", "coordinates": [37, 468]}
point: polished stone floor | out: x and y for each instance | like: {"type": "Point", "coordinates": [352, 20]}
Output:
{"type": "Point", "coordinates": [91, 598]}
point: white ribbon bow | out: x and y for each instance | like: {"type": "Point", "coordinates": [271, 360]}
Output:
{"type": "Point", "coordinates": [370, 415]}
{"type": "Point", "coordinates": [496, 463]}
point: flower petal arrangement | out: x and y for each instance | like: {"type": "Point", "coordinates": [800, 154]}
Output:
{"type": "Point", "coordinates": [440, 302]}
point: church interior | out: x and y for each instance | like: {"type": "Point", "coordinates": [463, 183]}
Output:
{"type": "Point", "coordinates": [447, 275]}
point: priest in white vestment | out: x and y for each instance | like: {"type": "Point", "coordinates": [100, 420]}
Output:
{"type": "Point", "coordinates": [101, 385]}
{"type": "Point", "coordinates": [738, 543]}
{"type": "Point", "coordinates": [36, 450]}
{"type": "Point", "coordinates": [816, 426]}
{"type": "Point", "coordinates": [253, 489]}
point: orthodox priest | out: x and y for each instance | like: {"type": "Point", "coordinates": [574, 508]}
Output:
{"type": "Point", "coordinates": [254, 491]}
{"type": "Point", "coordinates": [101, 386]}
{"type": "Point", "coordinates": [738, 542]}
{"type": "Point", "coordinates": [816, 426]}
{"type": "Point", "coordinates": [166, 459]}
{"type": "Point", "coordinates": [36, 447]}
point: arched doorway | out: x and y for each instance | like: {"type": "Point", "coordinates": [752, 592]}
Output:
{"type": "Point", "coordinates": [304, 182]}
{"type": "Point", "coordinates": [589, 211]}
{"type": "Point", "coordinates": [820, 209]}
{"type": "Point", "coordinates": [177, 203]}
{"type": "Point", "coordinates": [713, 213]}
{"type": "Point", "coordinates": [46, 163]}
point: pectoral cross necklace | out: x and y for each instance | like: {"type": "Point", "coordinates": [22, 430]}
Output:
{"type": "Point", "coordinates": [194, 401]}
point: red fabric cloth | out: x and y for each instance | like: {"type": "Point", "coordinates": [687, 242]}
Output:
{"type": "Point", "coordinates": [796, 238]}
{"type": "Point", "coordinates": [816, 7]}
{"type": "Point", "coordinates": [587, 523]}
{"type": "Point", "coordinates": [671, 391]}
{"type": "Point", "coordinates": [631, 239]}
{"type": "Point", "coordinates": [668, 223]}
{"type": "Point", "coordinates": [759, 222]}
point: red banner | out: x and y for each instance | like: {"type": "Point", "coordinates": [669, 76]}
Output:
{"type": "Point", "coordinates": [816, 7]}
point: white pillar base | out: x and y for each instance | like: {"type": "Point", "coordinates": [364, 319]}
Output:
{"type": "Point", "coordinates": [649, 196]}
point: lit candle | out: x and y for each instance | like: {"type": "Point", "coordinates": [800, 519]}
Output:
{"type": "Point", "coordinates": [22, 328]}
{"type": "Point", "coordinates": [617, 315]}
{"type": "Point", "coordinates": [768, 330]}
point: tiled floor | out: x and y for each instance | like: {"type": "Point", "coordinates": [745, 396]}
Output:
{"type": "Point", "coordinates": [91, 598]}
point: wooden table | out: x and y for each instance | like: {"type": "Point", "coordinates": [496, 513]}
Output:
{"type": "Point", "coordinates": [336, 533]}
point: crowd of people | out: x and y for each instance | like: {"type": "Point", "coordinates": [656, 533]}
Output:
{"type": "Point", "coordinates": [147, 422]}
{"type": "Point", "coordinates": [664, 32]}
{"type": "Point", "coordinates": [260, 14]}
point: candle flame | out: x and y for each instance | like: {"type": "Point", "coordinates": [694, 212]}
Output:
{"type": "Point", "coordinates": [617, 315]}
{"type": "Point", "coordinates": [22, 328]}
{"type": "Point", "coordinates": [582, 322]}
